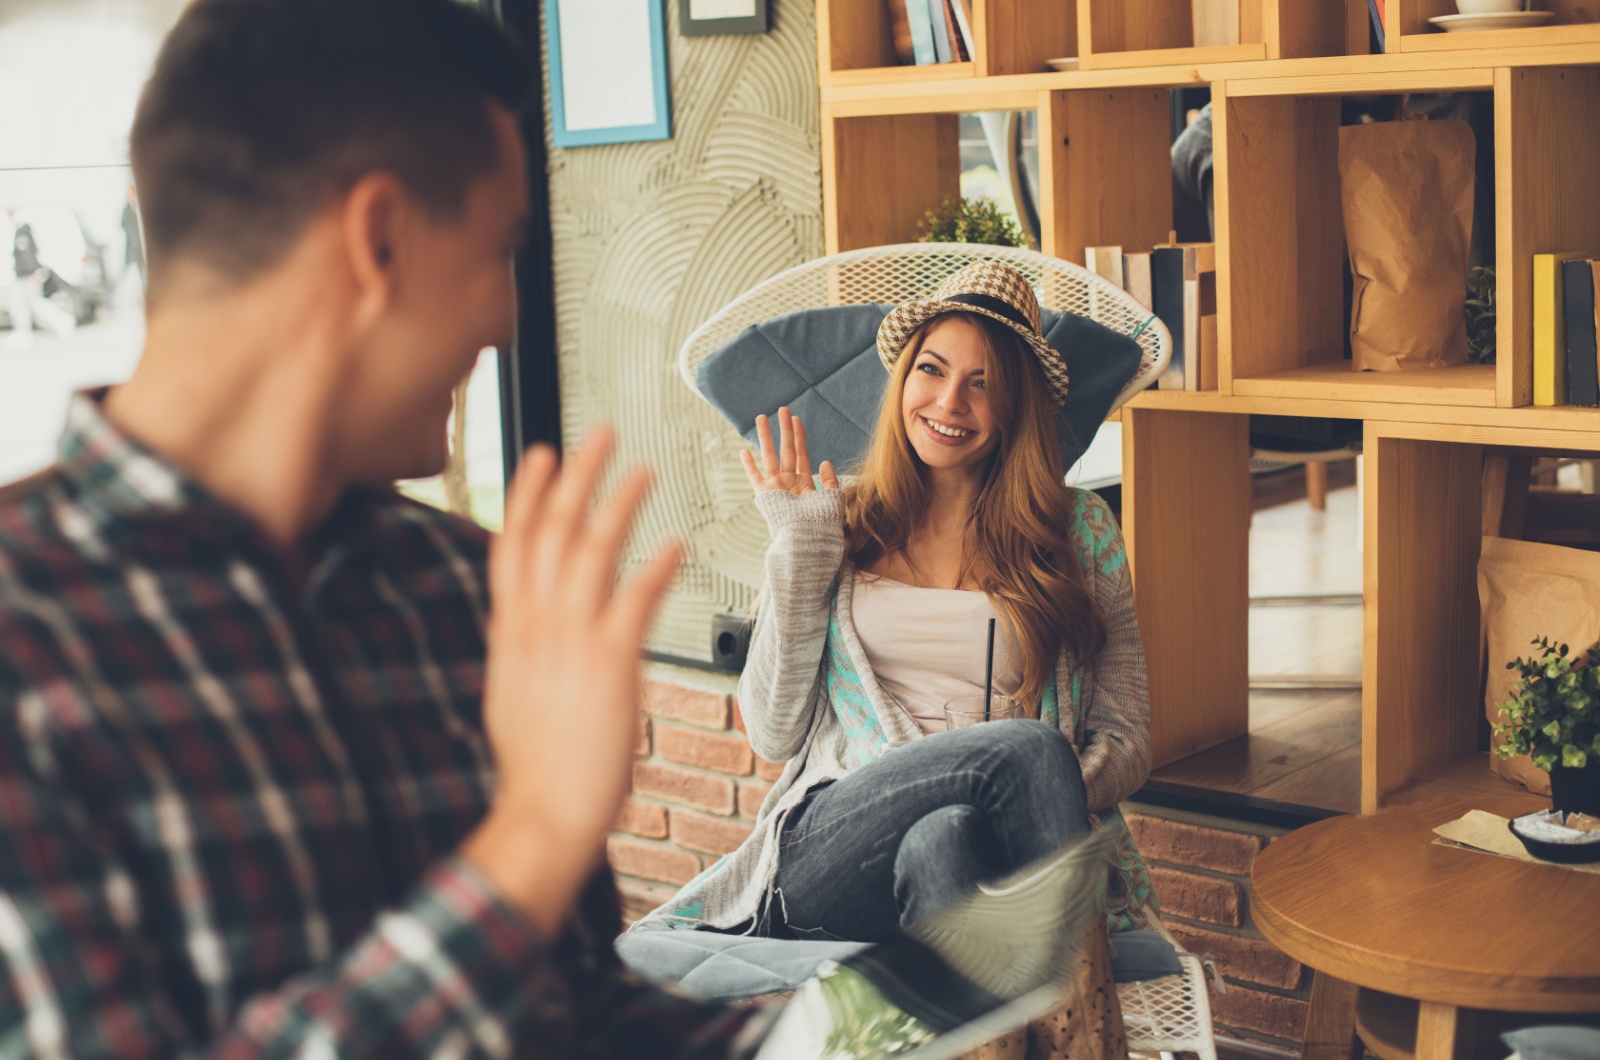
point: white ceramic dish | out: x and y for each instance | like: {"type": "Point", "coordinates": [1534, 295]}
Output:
{"type": "Point", "coordinates": [1062, 64]}
{"type": "Point", "coordinates": [1498, 20]}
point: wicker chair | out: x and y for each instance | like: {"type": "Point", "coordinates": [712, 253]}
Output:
{"type": "Point", "coordinates": [904, 271]}
{"type": "Point", "coordinates": [1164, 1015]}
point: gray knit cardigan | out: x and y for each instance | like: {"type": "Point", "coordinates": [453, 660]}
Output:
{"type": "Point", "coordinates": [810, 699]}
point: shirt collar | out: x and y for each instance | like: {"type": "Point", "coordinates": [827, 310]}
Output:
{"type": "Point", "coordinates": [121, 482]}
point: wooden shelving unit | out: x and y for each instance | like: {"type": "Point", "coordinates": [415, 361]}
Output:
{"type": "Point", "coordinates": [889, 154]}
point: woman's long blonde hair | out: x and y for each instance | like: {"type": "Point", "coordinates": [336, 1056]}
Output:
{"type": "Point", "coordinates": [1018, 548]}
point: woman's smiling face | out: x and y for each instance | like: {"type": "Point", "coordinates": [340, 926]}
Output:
{"type": "Point", "coordinates": [943, 404]}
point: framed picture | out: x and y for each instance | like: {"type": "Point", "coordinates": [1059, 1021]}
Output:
{"type": "Point", "coordinates": [608, 71]}
{"type": "Point", "coordinates": [703, 18]}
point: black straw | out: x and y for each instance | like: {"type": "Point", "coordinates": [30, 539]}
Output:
{"type": "Point", "coordinates": [988, 673]}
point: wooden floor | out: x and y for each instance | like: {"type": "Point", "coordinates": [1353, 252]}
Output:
{"type": "Point", "coordinates": [1304, 746]}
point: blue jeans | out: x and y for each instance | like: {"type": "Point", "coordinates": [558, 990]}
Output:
{"type": "Point", "coordinates": [917, 829]}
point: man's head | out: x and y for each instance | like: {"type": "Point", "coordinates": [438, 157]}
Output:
{"type": "Point", "coordinates": [370, 146]}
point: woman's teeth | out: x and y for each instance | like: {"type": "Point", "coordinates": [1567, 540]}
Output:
{"type": "Point", "coordinates": [948, 432]}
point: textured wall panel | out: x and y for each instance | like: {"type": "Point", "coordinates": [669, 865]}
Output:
{"type": "Point", "coordinates": [653, 238]}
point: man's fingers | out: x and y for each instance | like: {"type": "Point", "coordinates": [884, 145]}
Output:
{"type": "Point", "coordinates": [528, 491]}
{"type": "Point", "coordinates": [594, 568]}
{"type": "Point", "coordinates": [769, 457]}
{"type": "Point", "coordinates": [568, 503]}
{"type": "Point", "coordinates": [635, 604]}
{"type": "Point", "coordinates": [829, 479]}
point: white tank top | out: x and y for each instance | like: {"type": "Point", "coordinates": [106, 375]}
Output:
{"type": "Point", "coordinates": [927, 646]}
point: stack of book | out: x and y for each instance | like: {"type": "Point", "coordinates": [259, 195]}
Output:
{"type": "Point", "coordinates": [932, 31]}
{"type": "Point", "coordinates": [1178, 283]}
{"type": "Point", "coordinates": [1566, 361]}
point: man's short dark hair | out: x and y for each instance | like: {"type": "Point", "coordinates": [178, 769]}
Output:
{"type": "Point", "coordinates": [260, 112]}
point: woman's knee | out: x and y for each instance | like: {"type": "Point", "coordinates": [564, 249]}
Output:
{"type": "Point", "coordinates": [1037, 747]}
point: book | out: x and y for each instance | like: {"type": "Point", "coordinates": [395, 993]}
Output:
{"type": "Point", "coordinates": [1549, 330]}
{"type": "Point", "coordinates": [921, 24]}
{"type": "Point", "coordinates": [1105, 262]}
{"type": "Point", "coordinates": [941, 38]}
{"type": "Point", "coordinates": [1136, 277]}
{"type": "Point", "coordinates": [1375, 12]}
{"type": "Point", "coordinates": [962, 10]}
{"type": "Point", "coordinates": [900, 32]}
{"type": "Point", "coordinates": [1166, 291]}
{"type": "Point", "coordinates": [1200, 316]}
{"type": "Point", "coordinates": [1594, 270]}
{"type": "Point", "coordinates": [1583, 374]}
{"type": "Point", "coordinates": [958, 47]}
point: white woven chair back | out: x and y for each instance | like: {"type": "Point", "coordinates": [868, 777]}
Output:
{"type": "Point", "coordinates": [905, 271]}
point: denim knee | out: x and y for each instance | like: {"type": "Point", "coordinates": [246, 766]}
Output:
{"type": "Point", "coordinates": [1037, 747]}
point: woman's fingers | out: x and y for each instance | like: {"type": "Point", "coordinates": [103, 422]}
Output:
{"type": "Point", "coordinates": [829, 479]}
{"type": "Point", "coordinates": [748, 460]}
{"type": "Point", "coordinates": [769, 457]}
{"type": "Point", "coordinates": [786, 459]}
{"type": "Point", "coordinates": [802, 455]}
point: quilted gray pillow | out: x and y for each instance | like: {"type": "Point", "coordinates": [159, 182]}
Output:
{"type": "Point", "coordinates": [823, 364]}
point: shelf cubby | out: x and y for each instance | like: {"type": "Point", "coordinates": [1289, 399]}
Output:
{"type": "Point", "coordinates": [855, 43]}
{"type": "Point", "coordinates": [1421, 673]}
{"type": "Point", "coordinates": [896, 168]}
{"type": "Point", "coordinates": [1281, 247]}
{"type": "Point", "coordinates": [1575, 22]}
{"type": "Point", "coordinates": [1134, 33]}
{"type": "Point", "coordinates": [1105, 169]}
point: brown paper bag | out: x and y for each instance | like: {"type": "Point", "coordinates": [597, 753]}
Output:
{"type": "Point", "coordinates": [1407, 192]}
{"type": "Point", "coordinates": [1528, 590]}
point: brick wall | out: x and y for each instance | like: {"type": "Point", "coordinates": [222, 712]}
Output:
{"type": "Point", "coordinates": [697, 787]}
{"type": "Point", "coordinates": [1201, 869]}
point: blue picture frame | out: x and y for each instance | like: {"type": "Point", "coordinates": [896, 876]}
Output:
{"type": "Point", "coordinates": [660, 129]}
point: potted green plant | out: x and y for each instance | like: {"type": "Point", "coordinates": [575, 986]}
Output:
{"type": "Point", "coordinates": [1553, 716]}
{"type": "Point", "coordinates": [970, 221]}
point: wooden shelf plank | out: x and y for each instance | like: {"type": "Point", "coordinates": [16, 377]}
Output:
{"type": "Point", "coordinates": [1222, 53]}
{"type": "Point", "coordinates": [1551, 424]}
{"type": "Point", "coordinates": [1369, 82]}
{"type": "Point", "coordinates": [1480, 41]}
{"type": "Point", "coordinates": [1468, 384]}
{"type": "Point", "coordinates": [1358, 69]}
{"type": "Point", "coordinates": [876, 76]}
{"type": "Point", "coordinates": [1467, 777]}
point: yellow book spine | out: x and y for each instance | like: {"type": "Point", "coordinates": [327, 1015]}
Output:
{"type": "Point", "coordinates": [1549, 328]}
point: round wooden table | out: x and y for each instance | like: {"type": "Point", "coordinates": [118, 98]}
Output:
{"type": "Point", "coordinates": [1372, 902]}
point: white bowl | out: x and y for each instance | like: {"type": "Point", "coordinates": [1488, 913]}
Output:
{"type": "Point", "coordinates": [1487, 7]}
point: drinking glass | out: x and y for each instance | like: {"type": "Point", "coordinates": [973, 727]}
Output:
{"type": "Point", "coordinates": [968, 710]}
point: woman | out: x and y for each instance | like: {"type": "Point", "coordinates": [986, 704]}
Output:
{"type": "Point", "coordinates": [875, 613]}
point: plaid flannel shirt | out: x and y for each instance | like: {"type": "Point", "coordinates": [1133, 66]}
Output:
{"type": "Point", "coordinates": [229, 801]}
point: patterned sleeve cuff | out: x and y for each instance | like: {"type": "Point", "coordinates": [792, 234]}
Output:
{"type": "Point", "coordinates": [488, 974]}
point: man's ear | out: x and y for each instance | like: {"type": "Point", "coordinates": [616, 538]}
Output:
{"type": "Point", "coordinates": [376, 210]}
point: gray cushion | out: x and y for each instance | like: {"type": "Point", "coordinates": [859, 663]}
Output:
{"type": "Point", "coordinates": [1554, 1043]}
{"type": "Point", "coordinates": [724, 967]}
{"type": "Point", "coordinates": [823, 364]}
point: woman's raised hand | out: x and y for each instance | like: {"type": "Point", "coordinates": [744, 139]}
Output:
{"type": "Point", "coordinates": [788, 467]}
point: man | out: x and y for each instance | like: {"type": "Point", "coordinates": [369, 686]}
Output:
{"type": "Point", "coordinates": [267, 786]}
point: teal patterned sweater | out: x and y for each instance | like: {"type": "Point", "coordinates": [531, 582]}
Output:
{"type": "Point", "coordinates": [810, 699]}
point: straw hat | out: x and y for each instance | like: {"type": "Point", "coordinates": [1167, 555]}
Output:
{"type": "Point", "coordinates": [994, 289]}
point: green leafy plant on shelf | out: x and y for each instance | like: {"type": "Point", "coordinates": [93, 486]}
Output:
{"type": "Point", "coordinates": [1553, 714]}
{"type": "Point", "coordinates": [1480, 315]}
{"type": "Point", "coordinates": [970, 221]}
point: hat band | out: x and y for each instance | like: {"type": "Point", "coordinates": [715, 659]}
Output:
{"type": "Point", "coordinates": [993, 305]}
